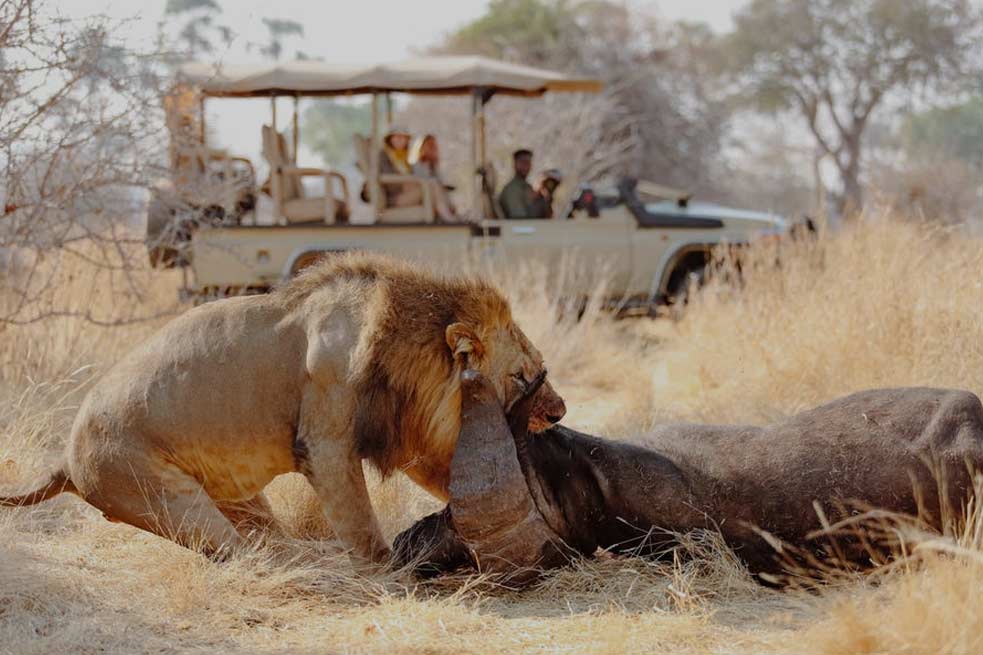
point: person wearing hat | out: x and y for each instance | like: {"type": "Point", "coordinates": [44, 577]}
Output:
{"type": "Point", "coordinates": [519, 199]}
{"type": "Point", "coordinates": [395, 160]}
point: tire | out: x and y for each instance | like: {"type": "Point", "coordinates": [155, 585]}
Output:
{"type": "Point", "coordinates": [684, 280]}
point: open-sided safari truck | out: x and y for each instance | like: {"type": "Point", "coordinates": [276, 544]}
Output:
{"type": "Point", "coordinates": [647, 240]}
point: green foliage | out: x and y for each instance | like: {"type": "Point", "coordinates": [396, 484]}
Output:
{"type": "Point", "coordinates": [657, 76]}
{"type": "Point", "coordinates": [197, 33]}
{"type": "Point", "coordinates": [328, 127]}
{"type": "Point", "coordinates": [534, 32]}
{"type": "Point", "coordinates": [788, 51]}
{"type": "Point", "coordinates": [956, 130]}
{"type": "Point", "coordinates": [181, 6]}
{"type": "Point", "coordinates": [279, 29]}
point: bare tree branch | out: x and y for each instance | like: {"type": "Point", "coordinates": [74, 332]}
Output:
{"type": "Point", "coordinates": [81, 140]}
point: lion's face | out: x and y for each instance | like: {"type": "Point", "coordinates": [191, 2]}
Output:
{"type": "Point", "coordinates": [507, 358]}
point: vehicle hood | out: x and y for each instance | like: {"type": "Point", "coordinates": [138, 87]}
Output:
{"type": "Point", "coordinates": [763, 222]}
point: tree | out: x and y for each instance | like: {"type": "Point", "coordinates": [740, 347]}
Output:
{"type": "Point", "coordinates": [656, 93]}
{"type": "Point", "coordinates": [835, 62]}
{"type": "Point", "coordinates": [329, 127]}
{"type": "Point", "coordinates": [956, 130]}
{"type": "Point", "coordinates": [932, 167]}
{"type": "Point", "coordinates": [535, 32]}
{"type": "Point", "coordinates": [198, 29]}
{"type": "Point", "coordinates": [80, 139]}
{"type": "Point", "coordinates": [195, 35]}
{"type": "Point", "coordinates": [279, 29]}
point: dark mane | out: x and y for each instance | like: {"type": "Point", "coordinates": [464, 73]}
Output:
{"type": "Point", "coordinates": [407, 358]}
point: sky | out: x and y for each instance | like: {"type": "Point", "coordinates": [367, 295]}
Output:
{"type": "Point", "coordinates": [355, 31]}
{"type": "Point", "coordinates": [360, 30]}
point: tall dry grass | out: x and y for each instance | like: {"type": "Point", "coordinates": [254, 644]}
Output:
{"type": "Point", "coordinates": [883, 303]}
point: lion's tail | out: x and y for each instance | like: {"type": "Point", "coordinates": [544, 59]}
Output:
{"type": "Point", "coordinates": [58, 483]}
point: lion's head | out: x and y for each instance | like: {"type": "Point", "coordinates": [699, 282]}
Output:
{"type": "Point", "coordinates": [508, 359]}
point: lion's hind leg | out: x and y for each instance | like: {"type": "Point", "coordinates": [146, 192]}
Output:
{"type": "Point", "coordinates": [166, 501]}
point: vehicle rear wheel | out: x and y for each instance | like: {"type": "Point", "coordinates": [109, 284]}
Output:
{"type": "Point", "coordinates": [686, 278]}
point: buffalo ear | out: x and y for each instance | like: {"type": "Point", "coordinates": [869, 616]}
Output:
{"type": "Point", "coordinates": [462, 340]}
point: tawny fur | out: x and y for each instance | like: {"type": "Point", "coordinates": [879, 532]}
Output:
{"type": "Point", "coordinates": [356, 358]}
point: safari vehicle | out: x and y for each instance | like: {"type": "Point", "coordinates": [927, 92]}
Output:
{"type": "Point", "coordinates": [648, 240]}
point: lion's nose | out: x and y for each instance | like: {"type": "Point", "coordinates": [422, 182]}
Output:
{"type": "Point", "coordinates": [559, 411]}
{"type": "Point", "coordinates": [557, 415]}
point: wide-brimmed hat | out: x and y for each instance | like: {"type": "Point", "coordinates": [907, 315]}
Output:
{"type": "Point", "coordinates": [553, 174]}
{"type": "Point", "coordinates": [397, 129]}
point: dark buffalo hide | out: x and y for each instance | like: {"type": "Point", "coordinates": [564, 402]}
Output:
{"type": "Point", "coordinates": [520, 503]}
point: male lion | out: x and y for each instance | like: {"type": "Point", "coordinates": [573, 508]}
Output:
{"type": "Point", "coordinates": [359, 357]}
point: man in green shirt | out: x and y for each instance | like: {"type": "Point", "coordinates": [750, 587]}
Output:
{"type": "Point", "coordinates": [518, 199]}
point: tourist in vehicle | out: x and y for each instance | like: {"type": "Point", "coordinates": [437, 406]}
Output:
{"type": "Point", "coordinates": [395, 160]}
{"type": "Point", "coordinates": [425, 159]}
{"type": "Point", "coordinates": [518, 199]}
{"type": "Point", "coordinates": [545, 189]}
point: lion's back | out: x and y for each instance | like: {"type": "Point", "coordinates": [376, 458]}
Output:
{"type": "Point", "coordinates": [222, 371]}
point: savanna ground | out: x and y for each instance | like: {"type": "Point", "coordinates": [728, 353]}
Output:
{"type": "Point", "coordinates": [881, 304]}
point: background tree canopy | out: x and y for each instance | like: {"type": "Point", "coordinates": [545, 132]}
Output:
{"type": "Point", "coordinates": [329, 126]}
{"type": "Point", "coordinates": [651, 76]}
{"type": "Point", "coordinates": [956, 130]}
{"type": "Point", "coordinates": [835, 62]}
{"type": "Point", "coordinates": [198, 29]}
{"type": "Point", "coordinates": [531, 31]}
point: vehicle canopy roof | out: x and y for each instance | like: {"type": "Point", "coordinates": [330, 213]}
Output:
{"type": "Point", "coordinates": [440, 75]}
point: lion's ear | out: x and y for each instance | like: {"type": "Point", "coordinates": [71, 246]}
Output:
{"type": "Point", "coordinates": [462, 340]}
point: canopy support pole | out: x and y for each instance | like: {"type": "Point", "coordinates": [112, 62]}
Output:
{"type": "Point", "coordinates": [273, 112]}
{"type": "Point", "coordinates": [372, 175]}
{"type": "Point", "coordinates": [389, 109]}
{"type": "Point", "coordinates": [296, 128]}
{"type": "Point", "coordinates": [479, 98]}
{"type": "Point", "coordinates": [476, 122]}
{"type": "Point", "coordinates": [201, 116]}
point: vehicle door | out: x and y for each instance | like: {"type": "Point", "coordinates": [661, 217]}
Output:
{"type": "Point", "coordinates": [578, 254]}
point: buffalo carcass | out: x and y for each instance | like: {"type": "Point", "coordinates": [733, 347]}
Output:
{"type": "Point", "coordinates": [521, 503]}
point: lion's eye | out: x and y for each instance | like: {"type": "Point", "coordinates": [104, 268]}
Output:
{"type": "Point", "coordinates": [520, 380]}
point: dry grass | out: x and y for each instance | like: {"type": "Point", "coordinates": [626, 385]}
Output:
{"type": "Point", "coordinates": [882, 304]}
{"type": "Point", "coordinates": [885, 304]}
